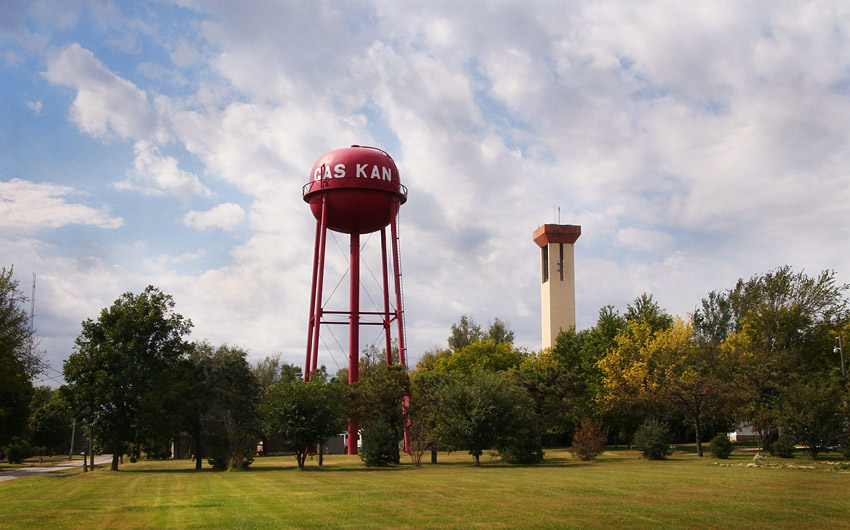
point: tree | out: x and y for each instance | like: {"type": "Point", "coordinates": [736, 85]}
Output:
{"type": "Point", "coordinates": [782, 322]}
{"type": "Point", "coordinates": [467, 332]}
{"type": "Point", "coordinates": [378, 401]}
{"type": "Point", "coordinates": [272, 370]}
{"type": "Point", "coordinates": [558, 390]}
{"type": "Point", "coordinates": [50, 421]}
{"type": "Point", "coordinates": [666, 372]}
{"type": "Point", "coordinates": [812, 412]}
{"type": "Point", "coordinates": [589, 441]}
{"type": "Point", "coordinates": [19, 362]}
{"type": "Point", "coordinates": [228, 415]}
{"type": "Point", "coordinates": [629, 380]}
{"type": "Point", "coordinates": [500, 332]}
{"type": "Point", "coordinates": [589, 347]}
{"type": "Point", "coordinates": [788, 316]}
{"type": "Point", "coordinates": [690, 377]}
{"type": "Point", "coordinates": [714, 320]}
{"type": "Point", "coordinates": [423, 411]}
{"type": "Point", "coordinates": [431, 361]}
{"type": "Point", "coordinates": [302, 414]}
{"type": "Point", "coordinates": [482, 411]}
{"type": "Point", "coordinates": [653, 439]}
{"type": "Point", "coordinates": [464, 333]}
{"type": "Point", "coordinates": [124, 368]}
{"type": "Point", "coordinates": [645, 309]}
{"type": "Point", "coordinates": [482, 355]}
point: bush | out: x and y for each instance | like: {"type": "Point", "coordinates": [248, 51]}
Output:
{"type": "Point", "coordinates": [523, 447]}
{"type": "Point", "coordinates": [231, 460]}
{"type": "Point", "coordinates": [521, 443]}
{"type": "Point", "coordinates": [720, 446]}
{"type": "Point", "coordinates": [156, 450]}
{"type": "Point", "coordinates": [589, 441]}
{"type": "Point", "coordinates": [379, 448]}
{"type": "Point", "coordinates": [228, 448]}
{"type": "Point", "coordinates": [783, 447]}
{"type": "Point", "coordinates": [653, 439]}
{"type": "Point", "coordinates": [16, 452]}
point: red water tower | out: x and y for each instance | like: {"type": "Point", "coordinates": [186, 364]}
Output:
{"type": "Point", "coordinates": [355, 191]}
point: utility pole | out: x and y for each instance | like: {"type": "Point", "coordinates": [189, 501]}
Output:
{"type": "Point", "coordinates": [73, 431]}
{"type": "Point", "coordinates": [91, 448]}
{"type": "Point", "coordinates": [840, 350]}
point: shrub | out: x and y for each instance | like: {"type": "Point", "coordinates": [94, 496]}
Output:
{"type": "Point", "coordinates": [17, 451]}
{"type": "Point", "coordinates": [811, 412]}
{"type": "Point", "coordinates": [379, 448]}
{"type": "Point", "coordinates": [157, 451]}
{"type": "Point", "coordinates": [229, 448]}
{"type": "Point", "coordinates": [589, 441]}
{"type": "Point", "coordinates": [653, 439]}
{"type": "Point", "coordinates": [720, 446]}
{"type": "Point", "coordinates": [521, 443]}
{"type": "Point", "coordinates": [231, 460]}
{"type": "Point", "coordinates": [783, 447]}
{"type": "Point", "coordinates": [523, 446]}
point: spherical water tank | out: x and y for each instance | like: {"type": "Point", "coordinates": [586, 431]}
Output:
{"type": "Point", "coordinates": [360, 187]}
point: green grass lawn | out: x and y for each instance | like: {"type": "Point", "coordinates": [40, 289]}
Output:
{"type": "Point", "coordinates": [619, 490]}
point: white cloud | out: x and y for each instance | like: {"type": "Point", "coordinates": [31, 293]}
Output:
{"type": "Point", "coordinates": [226, 216]}
{"type": "Point", "coordinates": [501, 111]}
{"type": "Point", "coordinates": [105, 104]}
{"type": "Point", "coordinates": [723, 125]}
{"type": "Point", "coordinates": [157, 174]}
{"type": "Point", "coordinates": [644, 240]}
{"type": "Point", "coordinates": [36, 206]}
{"type": "Point", "coordinates": [34, 106]}
{"type": "Point", "coordinates": [183, 53]}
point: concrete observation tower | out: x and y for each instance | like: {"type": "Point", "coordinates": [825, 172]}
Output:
{"type": "Point", "coordinates": [355, 191]}
{"type": "Point", "coordinates": [558, 286]}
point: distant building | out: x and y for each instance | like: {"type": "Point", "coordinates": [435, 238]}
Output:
{"type": "Point", "coordinates": [333, 445]}
{"type": "Point", "coordinates": [742, 433]}
{"type": "Point", "coordinates": [557, 286]}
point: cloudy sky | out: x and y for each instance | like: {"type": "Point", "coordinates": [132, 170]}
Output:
{"type": "Point", "coordinates": [166, 143]}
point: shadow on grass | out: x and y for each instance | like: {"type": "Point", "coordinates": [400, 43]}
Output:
{"type": "Point", "coordinates": [348, 469]}
{"type": "Point", "coordinates": [556, 459]}
{"type": "Point", "coordinates": [267, 469]}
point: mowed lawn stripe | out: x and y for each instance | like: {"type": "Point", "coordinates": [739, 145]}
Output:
{"type": "Point", "coordinates": [620, 490]}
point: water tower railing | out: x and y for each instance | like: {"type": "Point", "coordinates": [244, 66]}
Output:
{"type": "Point", "coordinates": [391, 187]}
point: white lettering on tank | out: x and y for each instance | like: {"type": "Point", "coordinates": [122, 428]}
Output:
{"type": "Point", "coordinates": [361, 170]}
{"type": "Point", "coordinates": [376, 173]}
{"type": "Point", "coordinates": [387, 173]}
{"type": "Point", "coordinates": [327, 174]}
{"type": "Point", "coordinates": [339, 171]}
{"type": "Point", "coordinates": [317, 175]}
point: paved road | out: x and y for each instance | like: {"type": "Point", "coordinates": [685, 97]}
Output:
{"type": "Point", "coordinates": [48, 470]}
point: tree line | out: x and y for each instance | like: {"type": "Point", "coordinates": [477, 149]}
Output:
{"type": "Point", "coordinates": [762, 354]}
{"type": "Point", "coordinates": [759, 353]}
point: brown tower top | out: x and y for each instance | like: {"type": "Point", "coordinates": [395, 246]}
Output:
{"type": "Point", "coordinates": [556, 234]}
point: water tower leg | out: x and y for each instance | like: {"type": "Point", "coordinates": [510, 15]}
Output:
{"type": "Point", "coordinates": [354, 335]}
{"type": "Point", "coordinates": [402, 351]}
{"type": "Point", "coordinates": [311, 322]}
{"type": "Point", "coordinates": [387, 334]}
{"type": "Point", "coordinates": [319, 273]}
